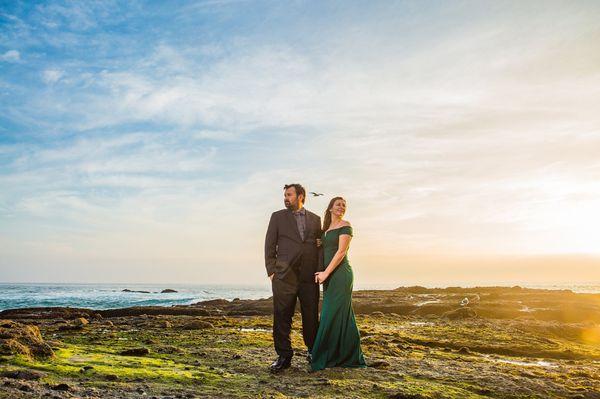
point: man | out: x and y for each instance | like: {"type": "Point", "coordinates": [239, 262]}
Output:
{"type": "Point", "coordinates": [292, 257]}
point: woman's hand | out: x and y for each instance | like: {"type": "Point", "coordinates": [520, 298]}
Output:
{"type": "Point", "coordinates": [319, 242]}
{"type": "Point", "coordinates": [320, 277]}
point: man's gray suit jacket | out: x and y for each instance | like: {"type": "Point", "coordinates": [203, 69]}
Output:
{"type": "Point", "coordinates": [286, 252]}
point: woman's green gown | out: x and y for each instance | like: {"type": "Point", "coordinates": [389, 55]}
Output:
{"type": "Point", "coordinates": [338, 341]}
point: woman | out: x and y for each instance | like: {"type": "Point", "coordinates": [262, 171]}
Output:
{"type": "Point", "coordinates": [338, 340]}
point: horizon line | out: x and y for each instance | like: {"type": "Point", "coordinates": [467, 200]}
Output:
{"type": "Point", "coordinates": [500, 284]}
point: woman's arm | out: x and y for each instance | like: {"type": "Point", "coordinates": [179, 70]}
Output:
{"type": "Point", "coordinates": [344, 242]}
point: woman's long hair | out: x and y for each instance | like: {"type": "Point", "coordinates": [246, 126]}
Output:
{"type": "Point", "coordinates": [327, 218]}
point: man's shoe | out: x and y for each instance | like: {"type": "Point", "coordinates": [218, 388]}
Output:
{"type": "Point", "coordinates": [280, 364]}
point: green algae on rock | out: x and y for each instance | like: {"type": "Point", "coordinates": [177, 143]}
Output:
{"type": "Point", "coordinates": [412, 353]}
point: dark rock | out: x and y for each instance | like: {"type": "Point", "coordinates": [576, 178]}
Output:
{"type": "Point", "coordinates": [111, 377]}
{"type": "Point", "coordinates": [214, 302]}
{"type": "Point", "coordinates": [7, 324]}
{"type": "Point", "coordinates": [61, 387]}
{"type": "Point", "coordinates": [135, 352]}
{"type": "Point", "coordinates": [155, 310]}
{"type": "Point", "coordinates": [379, 364]}
{"type": "Point", "coordinates": [50, 313]}
{"type": "Point", "coordinates": [69, 327]}
{"type": "Point", "coordinates": [197, 325]}
{"type": "Point", "coordinates": [403, 395]}
{"type": "Point", "coordinates": [23, 374]}
{"type": "Point", "coordinates": [464, 350]}
{"type": "Point", "coordinates": [25, 388]}
{"type": "Point", "coordinates": [460, 313]}
{"type": "Point", "coordinates": [167, 291]}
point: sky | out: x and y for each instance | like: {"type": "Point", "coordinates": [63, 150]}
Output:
{"type": "Point", "coordinates": [150, 141]}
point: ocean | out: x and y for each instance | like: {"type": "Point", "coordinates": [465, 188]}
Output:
{"type": "Point", "coordinates": [110, 296]}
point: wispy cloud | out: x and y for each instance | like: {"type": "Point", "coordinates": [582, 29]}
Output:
{"type": "Point", "coordinates": [11, 56]}
{"type": "Point", "coordinates": [139, 130]}
{"type": "Point", "coordinates": [52, 75]}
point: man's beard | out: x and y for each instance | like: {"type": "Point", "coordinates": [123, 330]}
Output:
{"type": "Point", "coordinates": [288, 205]}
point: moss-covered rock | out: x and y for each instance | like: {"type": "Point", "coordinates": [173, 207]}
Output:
{"type": "Point", "coordinates": [21, 339]}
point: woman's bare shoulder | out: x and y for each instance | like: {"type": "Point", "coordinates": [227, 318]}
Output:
{"type": "Point", "coordinates": [345, 223]}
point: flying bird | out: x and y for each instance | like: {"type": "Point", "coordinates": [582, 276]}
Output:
{"type": "Point", "coordinates": [315, 194]}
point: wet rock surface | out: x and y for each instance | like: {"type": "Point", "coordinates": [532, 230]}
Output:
{"type": "Point", "coordinates": [418, 342]}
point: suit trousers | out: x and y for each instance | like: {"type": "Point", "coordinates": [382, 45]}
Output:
{"type": "Point", "coordinates": [285, 293]}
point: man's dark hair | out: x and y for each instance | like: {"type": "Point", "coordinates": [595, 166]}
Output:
{"type": "Point", "coordinates": [299, 190]}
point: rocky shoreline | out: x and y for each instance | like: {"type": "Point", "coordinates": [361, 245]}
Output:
{"type": "Point", "coordinates": [500, 342]}
{"type": "Point", "coordinates": [488, 302]}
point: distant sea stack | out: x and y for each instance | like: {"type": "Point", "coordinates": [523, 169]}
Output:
{"type": "Point", "coordinates": [141, 292]}
{"type": "Point", "coordinates": [168, 290]}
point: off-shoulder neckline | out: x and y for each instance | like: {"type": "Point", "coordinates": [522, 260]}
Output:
{"type": "Point", "coordinates": [337, 228]}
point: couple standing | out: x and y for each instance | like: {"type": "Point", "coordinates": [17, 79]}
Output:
{"type": "Point", "coordinates": [299, 256]}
